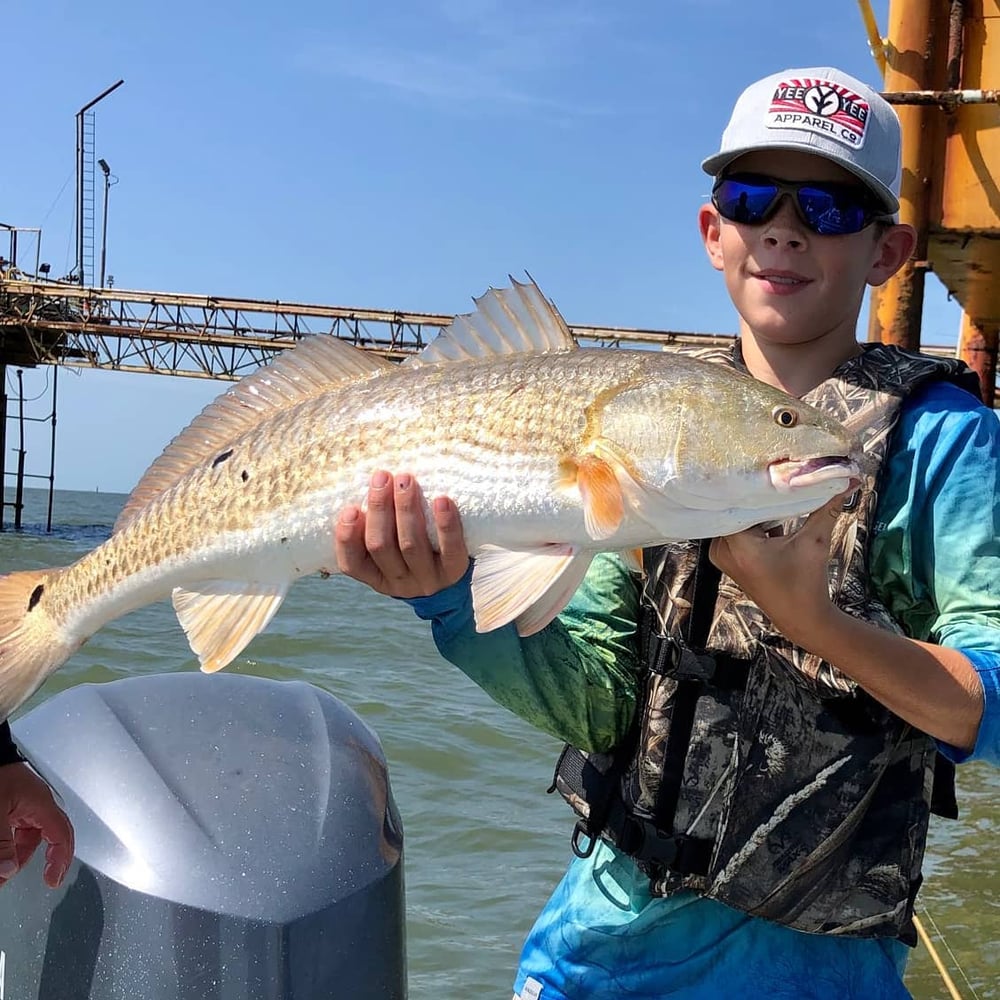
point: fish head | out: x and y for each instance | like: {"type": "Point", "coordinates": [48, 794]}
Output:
{"type": "Point", "coordinates": [713, 440]}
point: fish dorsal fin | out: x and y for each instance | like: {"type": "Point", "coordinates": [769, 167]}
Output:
{"type": "Point", "coordinates": [314, 365]}
{"type": "Point", "coordinates": [222, 616]}
{"type": "Point", "coordinates": [506, 321]}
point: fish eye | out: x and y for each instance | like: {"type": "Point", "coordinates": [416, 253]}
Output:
{"type": "Point", "coordinates": [785, 417]}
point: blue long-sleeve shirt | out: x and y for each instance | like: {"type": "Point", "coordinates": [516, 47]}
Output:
{"type": "Point", "coordinates": [935, 563]}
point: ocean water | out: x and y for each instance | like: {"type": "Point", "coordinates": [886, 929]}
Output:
{"type": "Point", "coordinates": [484, 843]}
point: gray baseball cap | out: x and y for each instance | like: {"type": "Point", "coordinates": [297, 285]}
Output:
{"type": "Point", "coordinates": [821, 111]}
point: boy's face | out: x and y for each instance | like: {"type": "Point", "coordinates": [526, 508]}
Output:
{"type": "Point", "coordinates": [791, 285]}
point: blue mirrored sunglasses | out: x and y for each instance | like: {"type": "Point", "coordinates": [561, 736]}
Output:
{"type": "Point", "coordinates": [825, 207]}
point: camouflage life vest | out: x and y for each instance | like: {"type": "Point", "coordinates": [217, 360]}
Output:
{"type": "Point", "coordinates": [757, 774]}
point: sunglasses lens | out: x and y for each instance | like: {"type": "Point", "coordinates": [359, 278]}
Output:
{"type": "Point", "coordinates": [827, 209]}
{"type": "Point", "coordinates": [744, 201]}
{"type": "Point", "coordinates": [834, 211]}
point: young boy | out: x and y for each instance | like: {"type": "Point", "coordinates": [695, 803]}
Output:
{"type": "Point", "coordinates": [751, 752]}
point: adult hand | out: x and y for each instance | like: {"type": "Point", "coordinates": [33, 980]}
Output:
{"type": "Point", "coordinates": [786, 576]}
{"type": "Point", "coordinates": [29, 815]}
{"type": "Point", "coordinates": [388, 547]}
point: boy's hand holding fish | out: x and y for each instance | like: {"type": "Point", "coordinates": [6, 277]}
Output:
{"type": "Point", "coordinates": [389, 549]}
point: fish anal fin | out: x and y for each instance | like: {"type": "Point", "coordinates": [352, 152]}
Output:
{"type": "Point", "coordinates": [315, 365]}
{"type": "Point", "coordinates": [531, 586]}
{"type": "Point", "coordinates": [222, 616]}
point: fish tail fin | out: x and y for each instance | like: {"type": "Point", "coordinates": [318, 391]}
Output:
{"type": "Point", "coordinates": [32, 645]}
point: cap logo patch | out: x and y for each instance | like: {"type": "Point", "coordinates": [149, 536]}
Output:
{"type": "Point", "coordinates": [821, 106]}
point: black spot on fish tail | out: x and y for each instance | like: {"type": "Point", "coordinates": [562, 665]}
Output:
{"type": "Point", "coordinates": [284, 539]}
{"type": "Point", "coordinates": [36, 596]}
{"type": "Point", "coordinates": [219, 459]}
{"type": "Point", "coordinates": [244, 475]}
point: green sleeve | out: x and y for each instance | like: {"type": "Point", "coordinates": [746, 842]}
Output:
{"type": "Point", "coordinates": [576, 679]}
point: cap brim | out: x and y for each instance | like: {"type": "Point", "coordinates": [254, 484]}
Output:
{"type": "Point", "coordinates": [715, 165]}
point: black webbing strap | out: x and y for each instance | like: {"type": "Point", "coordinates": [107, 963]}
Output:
{"type": "Point", "coordinates": [944, 801]}
{"type": "Point", "coordinates": [644, 841]}
{"type": "Point", "coordinates": [596, 777]}
{"type": "Point", "coordinates": [720, 670]}
{"type": "Point", "coordinates": [689, 689]}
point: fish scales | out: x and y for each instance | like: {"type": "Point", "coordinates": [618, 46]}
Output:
{"type": "Point", "coordinates": [529, 402]}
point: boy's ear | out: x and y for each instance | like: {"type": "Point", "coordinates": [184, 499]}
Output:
{"type": "Point", "coordinates": [895, 245]}
{"type": "Point", "coordinates": [711, 231]}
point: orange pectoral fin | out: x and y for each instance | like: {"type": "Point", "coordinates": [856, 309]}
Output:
{"type": "Point", "coordinates": [603, 503]}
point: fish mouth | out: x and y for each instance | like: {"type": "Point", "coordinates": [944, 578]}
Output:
{"type": "Point", "coordinates": [797, 473]}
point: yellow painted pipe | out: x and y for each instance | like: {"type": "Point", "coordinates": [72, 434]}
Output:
{"type": "Point", "coordinates": [917, 42]}
{"type": "Point", "coordinates": [978, 347]}
{"type": "Point", "coordinates": [876, 43]}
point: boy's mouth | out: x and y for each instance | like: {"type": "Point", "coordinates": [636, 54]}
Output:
{"type": "Point", "coordinates": [782, 282]}
{"type": "Point", "coordinates": [782, 277]}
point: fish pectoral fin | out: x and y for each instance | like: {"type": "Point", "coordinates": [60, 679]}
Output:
{"type": "Point", "coordinates": [222, 616]}
{"type": "Point", "coordinates": [601, 493]}
{"type": "Point", "coordinates": [530, 587]}
{"type": "Point", "coordinates": [646, 503]}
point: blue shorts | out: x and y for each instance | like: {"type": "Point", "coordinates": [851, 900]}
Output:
{"type": "Point", "coordinates": [602, 936]}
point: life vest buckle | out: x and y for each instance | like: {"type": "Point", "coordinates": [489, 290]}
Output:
{"type": "Point", "coordinates": [579, 833]}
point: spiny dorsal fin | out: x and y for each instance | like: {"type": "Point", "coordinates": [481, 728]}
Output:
{"type": "Point", "coordinates": [506, 321]}
{"type": "Point", "coordinates": [313, 366]}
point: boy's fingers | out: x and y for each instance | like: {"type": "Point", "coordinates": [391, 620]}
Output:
{"type": "Point", "coordinates": [381, 536]}
{"type": "Point", "coordinates": [349, 545]}
{"type": "Point", "coordinates": [411, 526]}
{"type": "Point", "coordinates": [454, 553]}
{"type": "Point", "coordinates": [387, 546]}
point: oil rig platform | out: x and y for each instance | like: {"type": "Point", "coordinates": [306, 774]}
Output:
{"type": "Point", "coordinates": [941, 66]}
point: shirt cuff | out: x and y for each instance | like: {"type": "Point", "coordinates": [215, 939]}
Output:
{"type": "Point", "coordinates": [987, 664]}
{"type": "Point", "coordinates": [9, 754]}
{"type": "Point", "coordinates": [443, 604]}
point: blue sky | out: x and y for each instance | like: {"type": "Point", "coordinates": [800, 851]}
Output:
{"type": "Point", "coordinates": [389, 155]}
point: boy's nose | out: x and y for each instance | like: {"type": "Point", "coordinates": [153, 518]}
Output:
{"type": "Point", "coordinates": [785, 228]}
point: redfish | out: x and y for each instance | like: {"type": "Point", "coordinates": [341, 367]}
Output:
{"type": "Point", "coordinates": [551, 452]}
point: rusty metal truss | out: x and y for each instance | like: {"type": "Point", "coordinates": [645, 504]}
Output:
{"type": "Point", "coordinates": [197, 336]}
{"type": "Point", "coordinates": [43, 322]}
